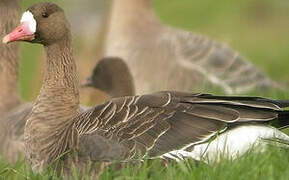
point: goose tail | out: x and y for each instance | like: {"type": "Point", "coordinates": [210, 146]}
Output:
{"type": "Point", "coordinates": [283, 103]}
{"type": "Point", "coordinates": [283, 119]}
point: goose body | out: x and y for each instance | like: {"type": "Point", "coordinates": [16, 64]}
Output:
{"type": "Point", "coordinates": [124, 128]}
{"type": "Point", "coordinates": [165, 58]}
{"type": "Point", "coordinates": [13, 111]}
{"type": "Point", "coordinates": [11, 138]}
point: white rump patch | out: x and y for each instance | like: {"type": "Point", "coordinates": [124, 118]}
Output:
{"type": "Point", "coordinates": [28, 17]}
{"type": "Point", "coordinates": [231, 144]}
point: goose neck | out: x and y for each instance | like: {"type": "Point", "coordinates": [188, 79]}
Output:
{"type": "Point", "coordinates": [56, 107]}
{"type": "Point", "coordinates": [126, 12]}
{"type": "Point", "coordinates": [59, 92]}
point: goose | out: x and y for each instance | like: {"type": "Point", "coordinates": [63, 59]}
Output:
{"type": "Point", "coordinates": [112, 76]}
{"type": "Point", "coordinates": [13, 110]}
{"type": "Point", "coordinates": [10, 12]}
{"type": "Point", "coordinates": [166, 58]}
{"type": "Point", "coordinates": [165, 124]}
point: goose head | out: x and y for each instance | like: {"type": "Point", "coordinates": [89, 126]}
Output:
{"type": "Point", "coordinates": [101, 76]}
{"type": "Point", "coordinates": [43, 23]}
{"type": "Point", "coordinates": [111, 75]}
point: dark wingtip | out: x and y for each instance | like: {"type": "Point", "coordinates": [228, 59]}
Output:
{"type": "Point", "coordinates": [283, 119]}
{"type": "Point", "coordinates": [283, 103]}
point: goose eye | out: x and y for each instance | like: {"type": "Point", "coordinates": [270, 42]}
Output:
{"type": "Point", "coordinates": [45, 15]}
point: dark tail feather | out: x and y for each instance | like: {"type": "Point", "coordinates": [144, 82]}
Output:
{"type": "Point", "coordinates": [284, 103]}
{"type": "Point", "coordinates": [280, 103]}
{"type": "Point", "coordinates": [283, 119]}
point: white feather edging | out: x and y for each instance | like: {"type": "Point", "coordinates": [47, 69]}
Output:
{"type": "Point", "coordinates": [28, 17]}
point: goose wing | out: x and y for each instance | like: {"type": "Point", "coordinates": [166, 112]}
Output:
{"type": "Point", "coordinates": [158, 123]}
{"type": "Point", "coordinates": [218, 63]}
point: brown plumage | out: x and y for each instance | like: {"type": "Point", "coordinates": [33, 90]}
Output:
{"type": "Point", "coordinates": [10, 12]}
{"type": "Point", "coordinates": [165, 58]}
{"type": "Point", "coordinates": [12, 110]}
{"type": "Point", "coordinates": [122, 128]}
{"type": "Point", "coordinates": [111, 75]}
{"type": "Point", "coordinates": [12, 139]}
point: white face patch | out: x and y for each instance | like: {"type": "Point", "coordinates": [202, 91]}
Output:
{"type": "Point", "coordinates": [29, 18]}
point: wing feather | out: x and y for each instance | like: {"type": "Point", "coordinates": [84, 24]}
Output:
{"type": "Point", "coordinates": [217, 62]}
{"type": "Point", "coordinates": [165, 121]}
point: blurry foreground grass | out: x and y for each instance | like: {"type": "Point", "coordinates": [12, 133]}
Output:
{"type": "Point", "coordinates": [272, 164]}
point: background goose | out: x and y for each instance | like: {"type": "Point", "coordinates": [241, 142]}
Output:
{"type": "Point", "coordinates": [10, 13]}
{"type": "Point", "coordinates": [151, 125]}
{"type": "Point", "coordinates": [12, 110]}
{"type": "Point", "coordinates": [112, 75]}
{"type": "Point", "coordinates": [180, 60]}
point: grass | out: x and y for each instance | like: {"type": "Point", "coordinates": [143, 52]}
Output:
{"type": "Point", "coordinates": [258, 29]}
{"type": "Point", "coordinates": [272, 164]}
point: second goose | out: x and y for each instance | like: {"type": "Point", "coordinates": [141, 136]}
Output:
{"type": "Point", "coordinates": [165, 58]}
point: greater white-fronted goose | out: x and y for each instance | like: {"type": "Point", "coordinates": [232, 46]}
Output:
{"type": "Point", "coordinates": [165, 58]}
{"type": "Point", "coordinates": [12, 110]}
{"type": "Point", "coordinates": [112, 76]}
{"type": "Point", "coordinates": [129, 127]}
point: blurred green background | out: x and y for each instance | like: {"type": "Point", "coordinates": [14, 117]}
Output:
{"type": "Point", "coordinates": [258, 29]}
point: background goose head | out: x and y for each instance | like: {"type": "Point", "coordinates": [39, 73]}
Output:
{"type": "Point", "coordinates": [43, 23]}
{"type": "Point", "coordinates": [112, 75]}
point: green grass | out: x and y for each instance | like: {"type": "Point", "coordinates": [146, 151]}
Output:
{"type": "Point", "coordinates": [272, 164]}
{"type": "Point", "coordinates": [258, 29]}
